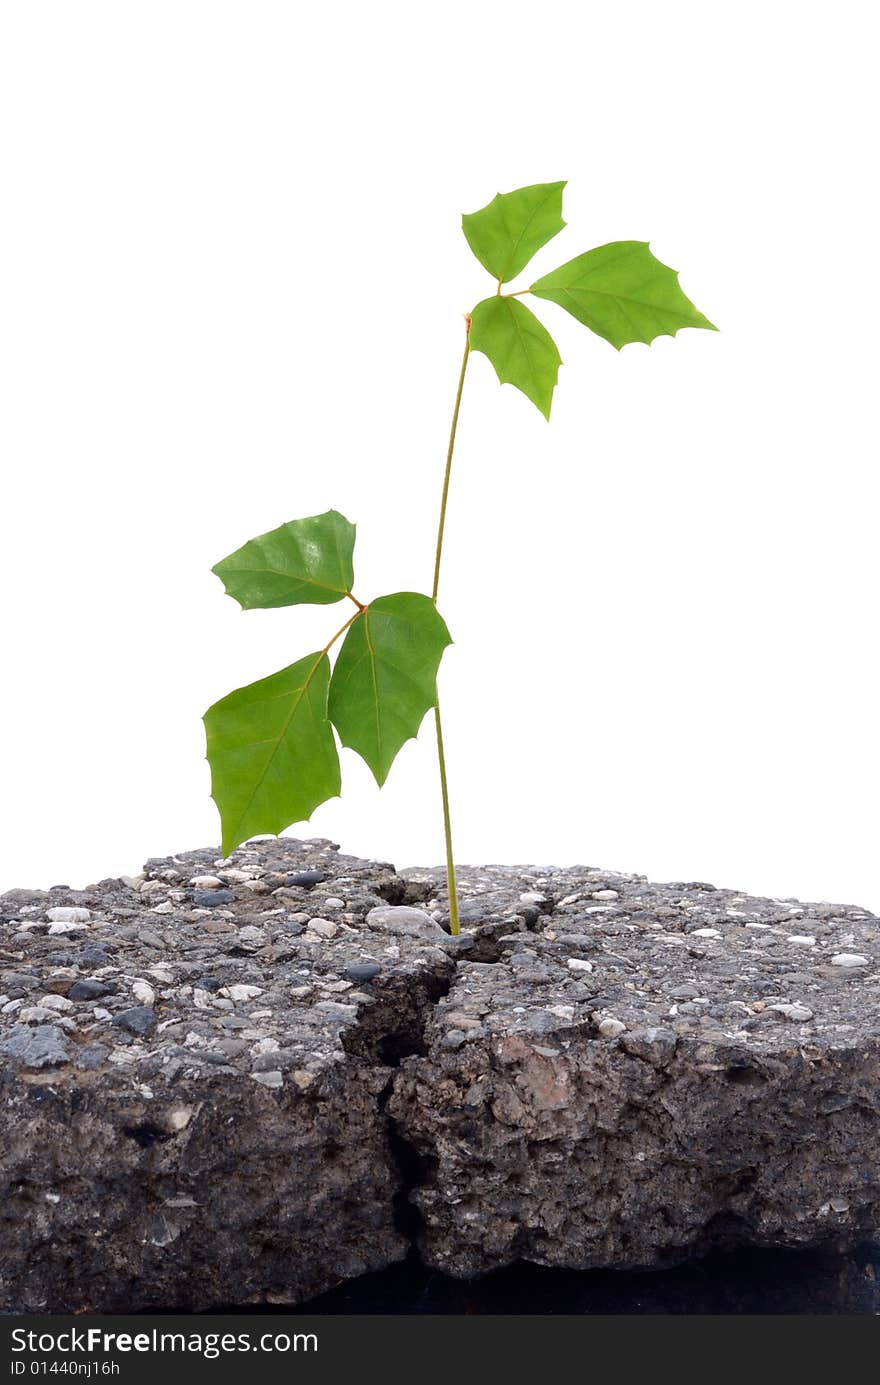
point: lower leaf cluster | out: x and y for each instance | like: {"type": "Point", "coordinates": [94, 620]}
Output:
{"type": "Point", "coordinates": [271, 746]}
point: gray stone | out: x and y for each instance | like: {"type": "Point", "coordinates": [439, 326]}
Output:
{"type": "Point", "coordinates": [212, 899]}
{"type": "Point", "coordinates": [92, 957]}
{"type": "Point", "coordinates": [363, 971]}
{"type": "Point", "coordinates": [91, 1056]}
{"type": "Point", "coordinates": [305, 879]}
{"type": "Point", "coordinates": [43, 1046]}
{"type": "Point", "coordinates": [139, 1020]}
{"type": "Point", "coordinates": [89, 989]}
{"type": "Point", "coordinates": [403, 921]}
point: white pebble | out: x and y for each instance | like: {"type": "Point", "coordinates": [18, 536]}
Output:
{"type": "Point", "coordinates": [269, 1079]}
{"type": "Point", "coordinates": [241, 992]}
{"type": "Point", "coordinates": [334, 902]}
{"type": "Point", "coordinates": [799, 1013]}
{"type": "Point", "coordinates": [144, 993]}
{"type": "Point", "coordinates": [179, 1117]}
{"type": "Point", "coordinates": [56, 1002]}
{"type": "Point", "coordinates": [37, 1014]}
{"type": "Point", "coordinates": [801, 940]}
{"type": "Point", "coordinates": [166, 908]}
{"type": "Point", "coordinates": [68, 915]}
{"type": "Point", "coordinates": [325, 928]}
{"type": "Point", "coordinates": [705, 933]}
{"type": "Point", "coordinates": [579, 964]}
{"type": "Point", "coordinates": [611, 1028]}
{"type": "Point", "coordinates": [849, 959]}
{"type": "Point", "coordinates": [249, 934]}
{"type": "Point", "coordinates": [206, 882]}
{"type": "Point", "coordinates": [60, 930]}
{"type": "Point", "coordinates": [606, 894]}
{"type": "Point", "coordinates": [532, 897]}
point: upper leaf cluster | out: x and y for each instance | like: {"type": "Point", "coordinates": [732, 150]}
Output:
{"type": "Point", "coordinates": [620, 291]}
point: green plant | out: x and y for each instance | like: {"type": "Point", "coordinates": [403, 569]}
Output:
{"type": "Point", "coordinates": [271, 746]}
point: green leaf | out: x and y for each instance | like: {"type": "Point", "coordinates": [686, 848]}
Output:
{"type": "Point", "coordinates": [621, 292]}
{"type": "Point", "coordinates": [271, 750]}
{"type": "Point", "coordinates": [385, 677]}
{"type": "Point", "coordinates": [505, 234]}
{"type": "Point", "coordinates": [307, 560]}
{"type": "Point", "coordinates": [519, 346]}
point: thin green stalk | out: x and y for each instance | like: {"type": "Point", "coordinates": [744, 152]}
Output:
{"type": "Point", "coordinates": [454, 922]}
{"type": "Point", "coordinates": [442, 525]}
{"type": "Point", "coordinates": [447, 828]}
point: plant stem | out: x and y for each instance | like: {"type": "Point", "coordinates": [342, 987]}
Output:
{"type": "Point", "coordinates": [442, 525]}
{"type": "Point", "coordinates": [454, 922]}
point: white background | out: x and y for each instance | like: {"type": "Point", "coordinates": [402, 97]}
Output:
{"type": "Point", "coordinates": [233, 286]}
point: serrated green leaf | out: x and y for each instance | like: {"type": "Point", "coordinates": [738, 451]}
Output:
{"type": "Point", "coordinates": [385, 678]}
{"type": "Point", "coordinates": [271, 750]}
{"type": "Point", "coordinates": [308, 561]}
{"type": "Point", "coordinates": [506, 234]}
{"type": "Point", "coordinates": [519, 346]}
{"type": "Point", "coordinates": [623, 293]}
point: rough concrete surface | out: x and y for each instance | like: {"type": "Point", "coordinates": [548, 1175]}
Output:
{"type": "Point", "coordinates": [248, 1080]}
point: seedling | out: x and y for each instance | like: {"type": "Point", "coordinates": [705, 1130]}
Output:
{"type": "Point", "coordinates": [271, 745]}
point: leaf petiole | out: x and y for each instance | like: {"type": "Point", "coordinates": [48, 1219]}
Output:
{"type": "Point", "coordinates": [342, 629]}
